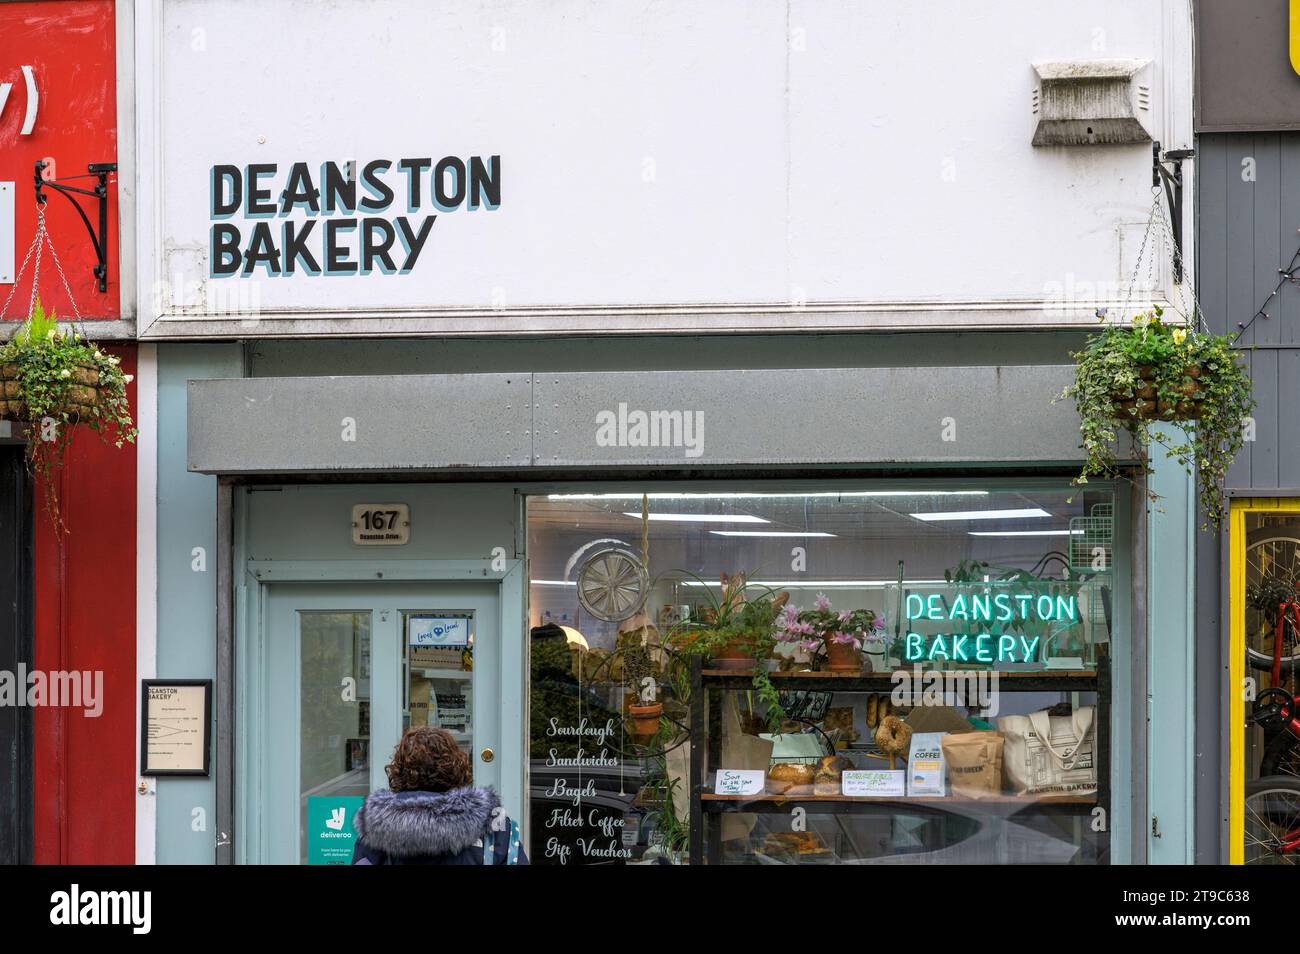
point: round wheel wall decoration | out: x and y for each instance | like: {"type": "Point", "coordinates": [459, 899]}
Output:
{"type": "Point", "coordinates": [613, 584]}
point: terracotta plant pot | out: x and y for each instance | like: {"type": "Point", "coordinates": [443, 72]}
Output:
{"type": "Point", "coordinates": [645, 719]}
{"type": "Point", "coordinates": [843, 657]}
{"type": "Point", "coordinates": [734, 655]}
{"type": "Point", "coordinates": [81, 398]}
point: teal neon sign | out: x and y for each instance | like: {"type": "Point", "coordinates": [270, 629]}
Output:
{"type": "Point", "coordinates": [964, 647]}
{"type": "Point", "coordinates": [996, 609]}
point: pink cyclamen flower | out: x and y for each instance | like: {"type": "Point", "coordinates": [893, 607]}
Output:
{"type": "Point", "coordinates": [878, 624]}
{"type": "Point", "coordinates": [808, 645]}
{"type": "Point", "coordinates": [822, 602]}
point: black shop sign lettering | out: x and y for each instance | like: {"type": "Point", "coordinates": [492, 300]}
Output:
{"type": "Point", "coordinates": [338, 218]}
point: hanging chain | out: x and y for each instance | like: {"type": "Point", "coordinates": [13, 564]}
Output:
{"type": "Point", "coordinates": [1142, 250]}
{"type": "Point", "coordinates": [36, 244]}
{"type": "Point", "coordinates": [1158, 225]}
{"type": "Point", "coordinates": [39, 242]}
{"type": "Point", "coordinates": [40, 248]}
{"type": "Point", "coordinates": [76, 312]}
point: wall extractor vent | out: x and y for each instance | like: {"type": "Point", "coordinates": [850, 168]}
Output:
{"type": "Point", "coordinates": [1092, 102]}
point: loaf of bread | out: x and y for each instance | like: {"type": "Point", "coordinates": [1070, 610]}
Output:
{"type": "Point", "coordinates": [795, 773]}
{"type": "Point", "coordinates": [873, 710]}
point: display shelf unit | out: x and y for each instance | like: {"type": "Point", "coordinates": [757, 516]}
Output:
{"type": "Point", "coordinates": [706, 808]}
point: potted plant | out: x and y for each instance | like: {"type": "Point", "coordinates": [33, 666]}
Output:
{"type": "Point", "coordinates": [1129, 377]}
{"type": "Point", "coordinates": [52, 382]}
{"type": "Point", "coordinates": [830, 638]}
{"type": "Point", "coordinates": [736, 631]}
{"type": "Point", "coordinates": [644, 708]}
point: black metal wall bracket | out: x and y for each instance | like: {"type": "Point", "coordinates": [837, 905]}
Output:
{"type": "Point", "coordinates": [99, 239]}
{"type": "Point", "coordinates": [1171, 180]}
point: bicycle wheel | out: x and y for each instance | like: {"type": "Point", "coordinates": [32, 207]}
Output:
{"type": "Point", "coordinates": [1271, 554]}
{"type": "Point", "coordinates": [1272, 833]}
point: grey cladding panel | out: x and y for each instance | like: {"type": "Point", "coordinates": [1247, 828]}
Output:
{"type": "Point", "coordinates": [297, 425]}
{"type": "Point", "coordinates": [769, 417]}
{"type": "Point", "coordinates": [1248, 227]}
{"type": "Point", "coordinates": [811, 416]}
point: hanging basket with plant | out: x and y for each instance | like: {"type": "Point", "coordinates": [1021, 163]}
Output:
{"type": "Point", "coordinates": [53, 382]}
{"type": "Point", "coordinates": [1129, 378]}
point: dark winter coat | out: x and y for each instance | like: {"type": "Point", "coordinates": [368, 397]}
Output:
{"type": "Point", "coordinates": [430, 828]}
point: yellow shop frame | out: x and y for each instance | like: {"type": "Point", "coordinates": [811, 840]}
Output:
{"type": "Point", "coordinates": [1237, 662]}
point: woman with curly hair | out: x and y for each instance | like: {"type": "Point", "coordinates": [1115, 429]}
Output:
{"type": "Point", "coordinates": [433, 814]}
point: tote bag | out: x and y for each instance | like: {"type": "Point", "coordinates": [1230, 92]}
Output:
{"type": "Point", "coordinates": [1046, 754]}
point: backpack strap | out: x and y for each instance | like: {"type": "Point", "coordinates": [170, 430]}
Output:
{"type": "Point", "coordinates": [512, 855]}
{"type": "Point", "coordinates": [490, 843]}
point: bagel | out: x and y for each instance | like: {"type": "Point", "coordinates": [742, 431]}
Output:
{"type": "Point", "coordinates": [894, 737]}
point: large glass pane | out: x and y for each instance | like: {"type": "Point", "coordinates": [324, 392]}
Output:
{"type": "Point", "coordinates": [1007, 593]}
{"type": "Point", "coordinates": [439, 665]}
{"type": "Point", "coordinates": [334, 745]}
{"type": "Point", "coordinates": [1272, 631]}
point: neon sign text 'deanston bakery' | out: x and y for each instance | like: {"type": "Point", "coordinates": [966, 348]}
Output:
{"type": "Point", "coordinates": [330, 220]}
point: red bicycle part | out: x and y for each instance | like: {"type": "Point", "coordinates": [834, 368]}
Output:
{"type": "Point", "coordinates": [1294, 607]}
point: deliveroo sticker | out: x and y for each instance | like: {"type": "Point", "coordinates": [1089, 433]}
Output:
{"type": "Point", "coordinates": [330, 835]}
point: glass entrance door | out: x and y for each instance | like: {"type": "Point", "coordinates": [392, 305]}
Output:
{"type": "Point", "coordinates": [348, 667]}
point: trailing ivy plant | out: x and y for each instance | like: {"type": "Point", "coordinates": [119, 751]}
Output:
{"type": "Point", "coordinates": [1129, 377]}
{"type": "Point", "coordinates": [54, 382]}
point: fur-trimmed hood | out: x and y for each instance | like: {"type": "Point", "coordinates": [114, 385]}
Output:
{"type": "Point", "coordinates": [409, 824]}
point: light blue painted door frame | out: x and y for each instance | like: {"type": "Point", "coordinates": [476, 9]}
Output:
{"type": "Point", "coordinates": [1171, 673]}
{"type": "Point", "coordinates": [499, 693]}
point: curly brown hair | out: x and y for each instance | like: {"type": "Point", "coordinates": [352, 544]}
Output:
{"type": "Point", "coordinates": [428, 760]}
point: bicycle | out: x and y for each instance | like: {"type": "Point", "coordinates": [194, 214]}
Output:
{"type": "Point", "coordinates": [1272, 807]}
{"type": "Point", "coordinates": [1272, 830]}
{"type": "Point", "coordinates": [1273, 603]}
{"type": "Point", "coordinates": [1277, 713]}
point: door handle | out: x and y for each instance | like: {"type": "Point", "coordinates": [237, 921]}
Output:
{"type": "Point", "coordinates": [487, 755]}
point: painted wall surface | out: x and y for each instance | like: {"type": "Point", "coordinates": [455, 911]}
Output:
{"type": "Point", "coordinates": [75, 123]}
{"type": "Point", "coordinates": [661, 165]}
{"type": "Point", "coordinates": [85, 621]}
{"type": "Point", "coordinates": [186, 615]}
{"type": "Point", "coordinates": [1248, 228]}
{"type": "Point", "coordinates": [1247, 77]}
{"type": "Point", "coordinates": [1171, 602]}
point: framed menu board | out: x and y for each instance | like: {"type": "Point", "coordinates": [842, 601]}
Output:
{"type": "Point", "coordinates": [175, 726]}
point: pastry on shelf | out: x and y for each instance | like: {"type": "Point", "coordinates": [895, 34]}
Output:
{"type": "Point", "coordinates": [826, 780]}
{"type": "Point", "coordinates": [800, 843]}
{"type": "Point", "coordinates": [787, 776]}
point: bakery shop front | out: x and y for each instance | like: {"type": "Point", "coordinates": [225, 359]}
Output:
{"type": "Point", "coordinates": [719, 522]}
{"type": "Point", "coordinates": [738, 660]}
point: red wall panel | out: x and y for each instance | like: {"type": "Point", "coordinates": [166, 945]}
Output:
{"type": "Point", "coordinates": [71, 47]}
{"type": "Point", "coordinates": [85, 620]}
{"type": "Point", "coordinates": [85, 769]}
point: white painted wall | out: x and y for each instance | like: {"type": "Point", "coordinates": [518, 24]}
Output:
{"type": "Point", "coordinates": [665, 165]}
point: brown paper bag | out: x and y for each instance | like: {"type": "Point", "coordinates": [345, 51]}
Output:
{"type": "Point", "coordinates": [974, 761]}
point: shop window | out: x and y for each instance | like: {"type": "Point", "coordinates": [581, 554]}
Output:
{"type": "Point", "coordinates": [820, 675]}
{"type": "Point", "coordinates": [1268, 654]}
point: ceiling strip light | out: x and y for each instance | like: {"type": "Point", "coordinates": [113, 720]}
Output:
{"type": "Point", "coordinates": [982, 514]}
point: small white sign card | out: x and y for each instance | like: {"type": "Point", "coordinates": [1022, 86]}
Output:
{"type": "Point", "coordinates": [739, 782]}
{"type": "Point", "coordinates": [873, 783]}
